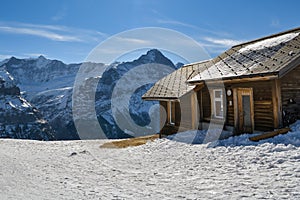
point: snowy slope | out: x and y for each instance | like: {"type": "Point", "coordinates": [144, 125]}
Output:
{"type": "Point", "coordinates": [163, 169]}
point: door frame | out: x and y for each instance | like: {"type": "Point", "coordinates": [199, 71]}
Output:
{"type": "Point", "coordinates": [238, 93]}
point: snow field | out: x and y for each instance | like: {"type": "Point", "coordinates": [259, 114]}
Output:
{"type": "Point", "coordinates": [162, 169]}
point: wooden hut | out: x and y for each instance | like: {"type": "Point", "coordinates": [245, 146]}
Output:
{"type": "Point", "coordinates": [251, 86]}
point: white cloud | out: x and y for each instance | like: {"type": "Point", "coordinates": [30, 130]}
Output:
{"type": "Point", "coordinates": [174, 22]}
{"type": "Point", "coordinates": [40, 32]}
{"type": "Point", "coordinates": [223, 42]}
{"type": "Point", "coordinates": [133, 40]}
{"type": "Point", "coordinates": [52, 32]}
{"type": "Point", "coordinates": [209, 29]}
{"type": "Point", "coordinates": [213, 40]}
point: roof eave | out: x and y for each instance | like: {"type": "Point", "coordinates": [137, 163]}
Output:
{"type": "Point", "coordinates": [247, 78]}
{"type": "Point", "coordinates": [160, 98]}
{"type": "Point", "coordinates": [289, 67]}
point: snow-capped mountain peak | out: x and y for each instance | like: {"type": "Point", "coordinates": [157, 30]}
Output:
{"type": "Point", "coordinates": [42, 62]}
{"type": "Point", "coordinates": [48, 85]}
{"type": "Point", "coordinates": [155, 56]}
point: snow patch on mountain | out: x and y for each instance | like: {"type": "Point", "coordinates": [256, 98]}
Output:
{"type": "Point", "coordinates": [6, 80]}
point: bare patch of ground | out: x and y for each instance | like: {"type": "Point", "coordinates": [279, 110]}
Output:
{"type": "Point", "coordinates": [130, 142]}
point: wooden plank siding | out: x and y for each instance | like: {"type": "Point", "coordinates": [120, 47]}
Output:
{"type": "Point", "coordinates": [182, 114]}
{"type": "Point", "coordinates": [277, 105]}
{"type": "Point", "coordinates": [206, 104]}
{"type": "Point", "coordinates": [165, 127]}
{"type": "Point", "coordinates": [230, 109]}
{"type": "Point", "coordinates": [271, 98]}
{"type": "Point", "coordinates": [263, 104]}
{"type": "Point", "coordinates": [164, 104]}
{"type": "Point", "coordinates": [290, 96]}
{"type": "Point", "coordinates": [186, 112]}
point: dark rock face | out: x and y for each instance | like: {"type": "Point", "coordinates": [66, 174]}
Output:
{"type": "Point", "coordinates": [18, 119]}
{"type": "Point", "coordinates": [47, 84]}
{"type": "Point", "coordinates": [10, 91]}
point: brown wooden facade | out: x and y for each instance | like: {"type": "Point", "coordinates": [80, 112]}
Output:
{"type": "Point", "coordinates": [270, 102]}
{"type": "Point", "coordinates": [252, 86]}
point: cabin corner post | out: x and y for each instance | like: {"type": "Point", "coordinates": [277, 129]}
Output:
{"type": "Point", "coordinates": [235, 107]}
{"type": "Point", "coordinates": [277, 104]}
{"type": "Point", "coordinates": [195, 110]}
{"type": "Point", "coordinates": [168, 111]}
{"type": "Point", "coordinates": [163, 116]}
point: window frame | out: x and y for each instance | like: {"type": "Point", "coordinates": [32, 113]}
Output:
{"type": "Point", "coordinates": [218, 99]}
{"type": "Point", "coordinates": [171, 106]}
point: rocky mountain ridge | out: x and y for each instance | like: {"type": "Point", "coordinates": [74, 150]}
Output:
{"type": "Point", "coordinates": [48, 85]}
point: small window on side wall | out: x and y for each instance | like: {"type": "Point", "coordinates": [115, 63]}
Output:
{"type": "Point", "coordinates": [171, 113]}
{"type": "Point", "coordinates": [218, 103]}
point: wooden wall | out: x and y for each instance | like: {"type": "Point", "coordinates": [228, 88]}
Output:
{"type": "Point", "coordinates": [206, 104]}
{"type": "Point", "coordinates": [163, 104]}
{"type": "Point", "coordinates": [263, 104]}
{"type": "Point", "coordinates": [230, 109]}
{"type": "Point", "coordinates": [290, 96]}
{"type": "Point", "coordinates": [180, 117]}
{"type": "Point", "coordinates": [262, 98]}
{"type": "Point", "coordinates": [186, 112]}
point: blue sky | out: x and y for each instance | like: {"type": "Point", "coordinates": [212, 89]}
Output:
{"type": "Point", "coordinates": [69, 29]}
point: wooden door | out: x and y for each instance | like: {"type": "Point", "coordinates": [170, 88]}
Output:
{"type": "Point", "coordinates": [244, 114]}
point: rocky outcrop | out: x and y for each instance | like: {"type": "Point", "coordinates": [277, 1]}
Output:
{"type": "Point", "coordinates": [18, 119]}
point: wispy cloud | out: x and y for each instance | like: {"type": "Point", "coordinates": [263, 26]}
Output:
{"type": "Point", "coordinates": [223, 42]}
{"type": "Point", "coordinates": [52, 32]}
{"type": "Point", "coordinates": [134, 40]}
{"type": "Point", "coordinates": [275, 23]}
{"type": "Point", "coordinates": [201, 29]}
{"type": "Point", "coordinates": [41, 33]}
{"type": "Point", "coordinates": [174, 22]}
{"type": "Point", "coordinates": [60, 14]}
{"type": "Point", "coordinates": [210, 38]}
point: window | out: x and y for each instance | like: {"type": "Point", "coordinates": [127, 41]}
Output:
{"type": "Point", "coordinates": [218, 103]}
{"type": "Point", "coordinates": [171, 113]}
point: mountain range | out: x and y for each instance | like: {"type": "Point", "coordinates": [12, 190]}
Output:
{"type": "Point", "coordinates": [36, 97]}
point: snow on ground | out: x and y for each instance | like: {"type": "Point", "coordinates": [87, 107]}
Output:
{"type": "Point", "coordinates": [163, 169]}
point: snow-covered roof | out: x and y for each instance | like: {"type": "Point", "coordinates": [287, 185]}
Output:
{"type": "Point", "coordinates": [274, 54]}
{"type": "Point", "coordinates": [269, 43]}
{"type": "Point", "coordinates": [269, 55]}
